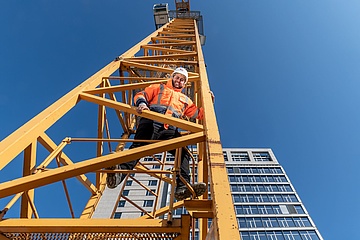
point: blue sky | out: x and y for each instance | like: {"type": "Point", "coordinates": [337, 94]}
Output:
{"type": "Point", "coordinates": [285, 75]}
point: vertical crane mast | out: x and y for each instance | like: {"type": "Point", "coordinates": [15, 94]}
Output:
{"type": "Point", "coordinates": [177, 43]}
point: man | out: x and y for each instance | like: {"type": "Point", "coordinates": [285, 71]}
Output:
{"type": "Point", "coordinates": [166, 99]}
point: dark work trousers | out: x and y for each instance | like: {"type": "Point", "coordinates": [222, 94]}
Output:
{"type": "Point", "coordinates": [148, 130]}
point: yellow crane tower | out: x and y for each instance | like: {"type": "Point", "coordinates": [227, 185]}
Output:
{"type": "Point", "coordinates": [111, 90]}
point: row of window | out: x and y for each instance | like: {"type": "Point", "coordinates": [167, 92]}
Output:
{"type": "Point", "coordinates": [169, 158]}
{"type": "Point", "coordinates": [279, 235]}
{"type": "Point", "coordinates": [147, 203]}
{"type": "Point", "coordinates": [256, 178]}
{"type": "Point", "coordinates": [264, 198]}
{"type": "Point", "coordinates": [273, 222]}
{"type": "Point", "coordinates": [254, 170]}
{"type": "Point", "coordinates": [235, 155]}
{"type": "Point", "coordinates": [242, 209]}
{"type": "Point", "coordinates": [269, 209]}
{"type": "Point", "coordinates": [261, 156]}
{"type": "Point", "coordinates": [244, 156]}
{"type": "Point", "coordinates": [260, 188]}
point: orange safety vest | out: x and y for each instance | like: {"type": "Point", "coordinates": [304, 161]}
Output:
{"type": "Point", "coordinates": [165, 99]}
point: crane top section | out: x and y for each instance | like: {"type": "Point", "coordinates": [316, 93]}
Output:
{"type": "Point", "coordinates": [182, 5]}
{"type": "Point", "coordinates": [163, 15]}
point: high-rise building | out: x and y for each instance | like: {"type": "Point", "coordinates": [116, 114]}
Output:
{"type": "Point", "coordinates": [266, 203]}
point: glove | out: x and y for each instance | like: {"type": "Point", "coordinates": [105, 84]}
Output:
{"type": "Point", "coordinates": [142, 106]}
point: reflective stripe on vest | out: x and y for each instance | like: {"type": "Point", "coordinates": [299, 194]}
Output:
{"type": "Point", "coordinates": [160, 93]}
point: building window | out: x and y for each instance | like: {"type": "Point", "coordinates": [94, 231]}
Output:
{"type": "Point", "coordinates": [299, 209]}
{"type": "Point", "coordinates": [121, 203]}
{"type": "Point", "coordinates": [302, 222]}
{"type": "Point", "coordinates": [156, 166]}
{"type": "Point", "coordinates": [279, 235]}
{"type": "Point", "coordinates": [266, 170]}
{"type": "Point", "coordinates": [125, 193]}
{"type": "Point", "coordinates": [129, 183]}
{"type": "Point", "coordinates": [152, 183]}
{"type": "Point", "coordinates": [232, 179]}
{"type": "Point", "coordinates": [180, 211]}
{"type": "Point", "coordinates": [261, 157]}
{"type": "Point", "coordinates": [264, 198]}
{"type": "Point", "coordinates": [311, 235]}
{"type": "Point", "coordinates": [225, 156]}
{"type": "Point", "coordinates": [240, 156]}
{"type": "Point", "coordinates": [286, 222]}
{"type": "Point", "coordinates": [148, 203]}
{"type": "Point", "coordinates": [148, 193]}
{"type": "Point", "coordinates": [260, 188]}
{"type": "Point", "coordinates": [292, 235]}
{"type": "Point", "coordinates": [117, 215]}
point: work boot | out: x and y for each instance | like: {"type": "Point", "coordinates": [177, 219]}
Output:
{"type": "Point", "coordinates": [114, 179]}
{"type": "Point", "coordinates": [182, 192]}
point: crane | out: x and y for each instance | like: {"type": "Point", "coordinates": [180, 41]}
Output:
{"type": "Point", "coordinates": [176, 42]}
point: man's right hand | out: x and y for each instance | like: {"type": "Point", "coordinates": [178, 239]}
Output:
{"type": "Point", "coordinates": [141, 107]}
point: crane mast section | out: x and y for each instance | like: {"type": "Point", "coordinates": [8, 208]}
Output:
{"type": "Point", "coordinates": [151, 61]}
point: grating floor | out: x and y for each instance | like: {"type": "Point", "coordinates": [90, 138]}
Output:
{"type": "Point", "coordinates": [91, 236]}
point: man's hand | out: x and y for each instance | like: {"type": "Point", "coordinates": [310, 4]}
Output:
{"type": "Point", "coordinates": [212, 96]}
{"type": "Point", "coordinates": [141, 108]}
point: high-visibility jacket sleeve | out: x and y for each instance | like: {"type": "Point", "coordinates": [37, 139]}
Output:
{"type": "Point", "coordinates": [146, 95]}
{"type": "Point", "coordinates": [194, 112]}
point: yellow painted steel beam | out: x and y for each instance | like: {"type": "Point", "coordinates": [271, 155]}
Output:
{"type": "Point", "coordinates": [185, 227]}
{"type": "Point", "coordinates": [112, 96]}
{"type": "Point", "coordinates": [173, 44]}
{"type": "Point", "coordinates": [181, 26]}
{"type": "Point", "coordinates": [220, 207]}
{"type": "Point", "coordinates": [166, 50]}
{"type": "Point", "coordinates": [169, 56]}
{"type": "Point", "coordinates": [100, 131]}
{"type": "Point", "coordinates": [176, 35]}
{"type": "Point", "coordinates": [138, 78]}
{"type": "Point", "coordinates": [46, 142]}
{"type": "Point", "coordinates": [129, 86]}
{"type": "Point", "coordinates": [166, 62]}
{"type": "Point", "coordinates": [176, 30]}
{"type": "Point", "coordinates": [167, 39]}
{"type": "Point", "coordinates": [149, 67]}
{"type": "Point", "coordinates": [11, 146]}
{"type": "Point", "coordinates": [225, 222]}
{"type": "Point", "coordinates": [163, 210]}
{"type": "Point", "coordinates": [154, 68]}
{"type": "Point", "coordinates": [88, 225]}
{"type": "Point", "coordinates": [64, 172]}
{"type": "Point", "coordinates": [154, 174]}
{"type": "Point", "coordinates": [27, 199]}
{"type": "Point", "coordinates": [91, 205]}
{"type": "Point", "coordinates": [199, 208]}
{"type": "Point", "coordinates": [186, 125]}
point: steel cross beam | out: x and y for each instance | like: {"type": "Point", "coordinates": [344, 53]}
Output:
{"type": "Point", "coordinates": [181, 46]}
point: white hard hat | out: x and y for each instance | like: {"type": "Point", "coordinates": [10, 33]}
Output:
{"type": "Point", "coordinates": [182, 71]}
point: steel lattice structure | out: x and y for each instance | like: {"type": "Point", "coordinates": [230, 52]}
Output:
{"type": "Point", "coordinates": [111, 89]}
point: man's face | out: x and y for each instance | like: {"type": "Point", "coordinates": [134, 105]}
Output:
{"type": "Point", "coordinates": [178, 80]}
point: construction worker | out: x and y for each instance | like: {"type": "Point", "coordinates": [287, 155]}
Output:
{"type": "Point", "coordinates": [166, 99]}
